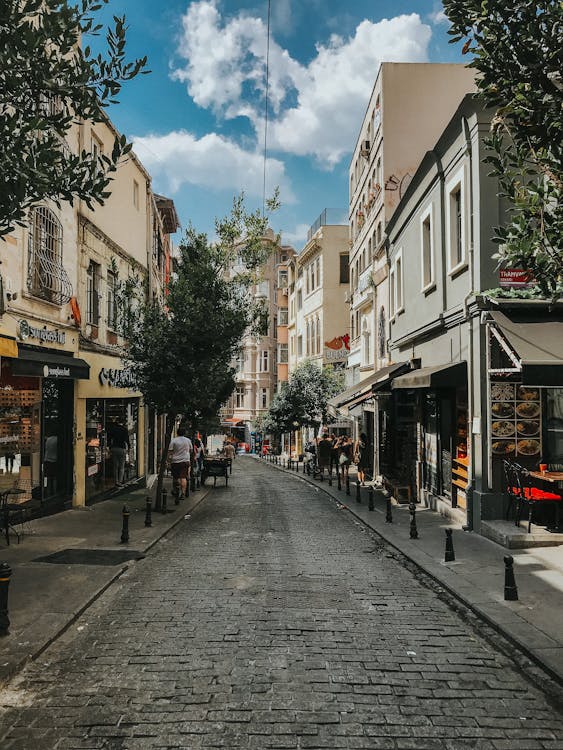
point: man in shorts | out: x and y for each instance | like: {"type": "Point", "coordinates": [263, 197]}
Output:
{"type": "Point", "coordinates": [180, 456]}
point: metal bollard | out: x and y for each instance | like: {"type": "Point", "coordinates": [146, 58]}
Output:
{"type": "Point", "coordinates": [450, 554]}
{"type": "Point", "coordinates": [163, 508]}
{"type": "Point", "coordinates": [330, 477]}
{"type": "Point", "coordinates": [5, 575]}
{"type": "Point", "coordinates": [125, 527]}
{"type": "Point", "coordinates": [510, 590]}
{"type": "Point", "coordinates": [191, 482]}
{"type": "Point", "coordinates": [148, 513]}
{"type": "Point", "coordinates": [339, 480]}
{"type": "Point", "coordinates": [413, 529]}
{"type": "Point", "coordinates": [289, 464]}
{"type": "Point", "coordinates": [358, 493]}
{"type": "Point", "coordinates": [347, 484]}
{"type": "Point", "coordinates": [371, 496]}
{"type": "Point", "coordinates": [388, 510]}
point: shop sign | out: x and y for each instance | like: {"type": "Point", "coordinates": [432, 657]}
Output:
{"type": "Point", "coordinates": [43, 335]}
{"type": "Point", "coordinates": [338, 349]}
{"type": "Point", "coordinates": [117, 378]}
{"type": "Point", "coordinates": [56, 372]}
{"type": "Point", "coordinates": [515, 278]}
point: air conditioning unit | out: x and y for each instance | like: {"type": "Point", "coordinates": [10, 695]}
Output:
{"type": "Point", "coordinates": [365, 148]}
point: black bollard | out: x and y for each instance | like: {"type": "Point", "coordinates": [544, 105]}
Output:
{"type": "Point", "coordinates": [450, 554]}
{"type": "Point", "coordinates": [163, 508]}
{"type": "Point", "coordinates": [125, 527]}
{"type": "Point", "coordinates": [5, 575]}
{"type": "Point", "coordinates": [339, 480]}
{"type": "Point", "coordinates": [413, 529]}
{"type": "Point", "coordinates": [358, 493]}
{"type": "Point", "coordinates": [347, 484]}
{"type": "Point", "coordinates": [388, 510]}
{"type": "Point", "coordinates": [371, 495]}
{"type": "Point", "coordinates": [289, 464]}
{"type": "Point", "coordinates": [148, 513]}
{"type": "Point", "coordinates": [191, 482]}
{"type": "Point", "coordinates": [510, 590]}
{"type": "Point", "coordinates": [330, 477]}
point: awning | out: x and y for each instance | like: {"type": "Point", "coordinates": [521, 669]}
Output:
{"type": "Point", "coordinates": [537, 341]}
{"type": "Point", "coordinates": [449, 375]}
{"type": "Point", "coordinates": [365, 388]}
{"type": "Point", "coordinates": [8, 346]}
{"type": "Point", "coordinates": [230, 421]}
{"type": "Point", "coordinates": [49, 363]}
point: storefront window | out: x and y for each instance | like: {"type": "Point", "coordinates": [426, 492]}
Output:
{"type": "Point", "coordinates": [554, 425]}
{"type": "Point", "coordinates": [112, 455]}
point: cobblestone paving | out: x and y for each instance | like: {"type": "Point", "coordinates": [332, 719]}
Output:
{"type": "Point", "coordinates": [270, 619]}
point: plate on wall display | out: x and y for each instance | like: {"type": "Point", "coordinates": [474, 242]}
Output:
{"type": "Point", "coordinates": [528, 409]}
{"type": "Point", "coordinates": [502, 392]}
{"type": "Point", "coordinates": [528, 394]}
{"type": "Point", "coordinates": [502, 409]}
{"type": "Point", "coordinates": [504, 447]}
{"type": "Point", "coordinates": [503, 429]}
{"type": "Point", "coordinates": [528, 447]}
{"type": "Point", "coordinates": [528, 427]}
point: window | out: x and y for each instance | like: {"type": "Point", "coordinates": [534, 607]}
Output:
{"type": "Point", "coordinates": [318, 336]}
{"type": "Point", "coordinates": [399, 281]}
{"type": "Point", "coordinates": [382, 333]}
{"type": "Point", "coordinates": [392, 292]}
{"type": "Point", "coordinates": [96, 146]}
{"type": "Point", "coordinates": [366, 335]}
{"type": "Point", "coordinates": [344, 268]}
{"type": "Point", "coordinates": [46, 277]}
{"type": "Point", "coordinates": [427, 260]}
{"type": "Point", "coordinates": [282, 316]}
{"type": "Point", "coordinates": [136, 194]}
{"type": "Point", "coordinates": [299, 299]}
{"type": "Point", "coordinates": [282, 354]}
{"type": "Point", "coordinates": [241, 359]}
{"type": "Point", "coordinates": [292, 343]}
{"type": "Point", "coordinates": [264, 361]}
{"type": "Point", "coordinates": [264, 398]}
{"type": "Point", "coordinates": [313, 284]}
{"type": "Point", "coordinates": [379, 234]}
{"type": "Point", "coordinates": [300, 346]}
{"type": "Point", "coordinates": [308, 339]}
{"type": "Point", "coordinates": [455, 222]}
{"type": "Point", "coordinates": [318, 271]}
{"type": "Point", "coordinates": [93, 294]}
{"type": "Point", "coordinates": [111, 300]}
{"type": "Point", "coordinates": [282, 279]}
{"type": "Point", "coordinates": [239, 397]}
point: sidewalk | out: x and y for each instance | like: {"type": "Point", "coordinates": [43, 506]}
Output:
{"type": "Point", "coordinates": [476, 577]}
{"type": "Point", "coordinates": [46, 597]}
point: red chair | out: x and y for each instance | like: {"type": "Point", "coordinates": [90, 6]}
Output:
{"type": "Point", "coordinates": [530, 495]}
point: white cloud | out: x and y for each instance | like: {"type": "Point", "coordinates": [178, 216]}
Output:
{"type": "Point", "coordinates": [297, 237]}
{"type": "Point", "coordinates": [439, 17]}
{"type": "Point", "coordinates": [316, 108]}
{"type": "Point", "coordinates": [211, 161]}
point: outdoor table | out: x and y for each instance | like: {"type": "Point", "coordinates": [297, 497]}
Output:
{"type": "Point", "coordinates": [553, 477]}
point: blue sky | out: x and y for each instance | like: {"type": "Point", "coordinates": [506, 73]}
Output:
{"type": "Point", "coordinates": [197, 120]}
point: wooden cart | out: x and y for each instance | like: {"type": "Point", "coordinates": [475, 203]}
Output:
{"type": "Point", "coordinates": [217, 466]}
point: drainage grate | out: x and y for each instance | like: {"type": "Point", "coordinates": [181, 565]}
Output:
{"type": "Point", "coordinates": [91, 556]}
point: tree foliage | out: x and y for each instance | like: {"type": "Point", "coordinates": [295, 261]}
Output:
{"type": "Point", "coordinates": [517, 47]}
{"type": "Point", "coordinates": [48, 82]}
{"type": "Point", "coordinates": [303, 400]}
{"type": "Point", "coordinates": [181, 352]}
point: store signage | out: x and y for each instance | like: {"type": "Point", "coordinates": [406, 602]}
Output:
{"type": "Point", "coordinates": [117, 378]}
{"type": "Point", "coordinates": [515, 278]}
{"type": "Point", "coordinates": [337, 349]}
{"type": "Point", "coordinates": [44, 335]}
{"type": "Point", "coordinates": [56, 372]}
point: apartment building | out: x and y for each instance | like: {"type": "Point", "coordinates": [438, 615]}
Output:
{"type": "Point", "coordinates": [257, 361]}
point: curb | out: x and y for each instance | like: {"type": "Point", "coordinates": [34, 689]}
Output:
{"type": "Point", "coordinates": [512, 639]}
{"type": "Point", "coordinates": [13, 670]}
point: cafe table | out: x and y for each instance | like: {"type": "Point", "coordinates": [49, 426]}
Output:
{"type": "Point", "coordinates": [553, 477]}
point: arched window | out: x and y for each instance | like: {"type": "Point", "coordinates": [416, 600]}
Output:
{"type": "Point", "coordinates": [46, 276]}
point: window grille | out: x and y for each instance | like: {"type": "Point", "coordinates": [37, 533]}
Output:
{"type": "Point", "coordinates": [112, 300]}
{"type": "Point", "coordinates": [93, 294]}
{"type": "Point", "coordinates": [46, 277]}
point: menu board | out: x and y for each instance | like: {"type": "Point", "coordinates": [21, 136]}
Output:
{"type": "Point", "coordinates": [515, 421]}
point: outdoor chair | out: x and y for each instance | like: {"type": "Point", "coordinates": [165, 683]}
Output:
{"type": "Point", "coordinates": [531, 496]}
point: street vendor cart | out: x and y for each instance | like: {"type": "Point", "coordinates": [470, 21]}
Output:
{"type": "Point", "coordinates": [215, 466]}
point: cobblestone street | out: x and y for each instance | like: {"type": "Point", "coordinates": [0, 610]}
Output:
{"type": "Point", "coordinates": [271, 619]}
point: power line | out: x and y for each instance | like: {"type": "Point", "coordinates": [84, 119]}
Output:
{"type": "Point", "coordinates": [266, 111]}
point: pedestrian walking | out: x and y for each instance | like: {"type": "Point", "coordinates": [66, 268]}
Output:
{"type": "Point", "coordinates": [324, 448]}
{"type": "Point", "coordinates": [180, 455]}
{"type": "Point", "coordinates": [362, 457]}
{"type": "Point", "coordinates": [345, 455]}
{"type": "Point", "coordinates": [119, 445]}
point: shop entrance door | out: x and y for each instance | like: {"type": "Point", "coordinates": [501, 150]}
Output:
{"type": "Point", "coordinates": [56, 445]}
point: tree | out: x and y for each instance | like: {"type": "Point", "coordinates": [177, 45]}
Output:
{"type": "Point", "coordinates": [48, 82]}
{"type": "Point", "coordinates": [303, 401]}
{"type": "Point", "coordinates": [517, 47]}
{"type": "Point", "coordinates": [181, 353]}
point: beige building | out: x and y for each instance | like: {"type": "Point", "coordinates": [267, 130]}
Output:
{"type": "Point", "coordinates": [63, 385]}
{"type": "Point", "coordinates": [257, 362]}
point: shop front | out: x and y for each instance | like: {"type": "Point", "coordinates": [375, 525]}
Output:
{"type": "Point", "coordinates": [36, 425]}
{"type": "Point", "coordinates": [111, 428]}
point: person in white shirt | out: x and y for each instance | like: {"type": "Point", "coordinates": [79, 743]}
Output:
{"type": "Point", "coordinates": [180, 457]}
